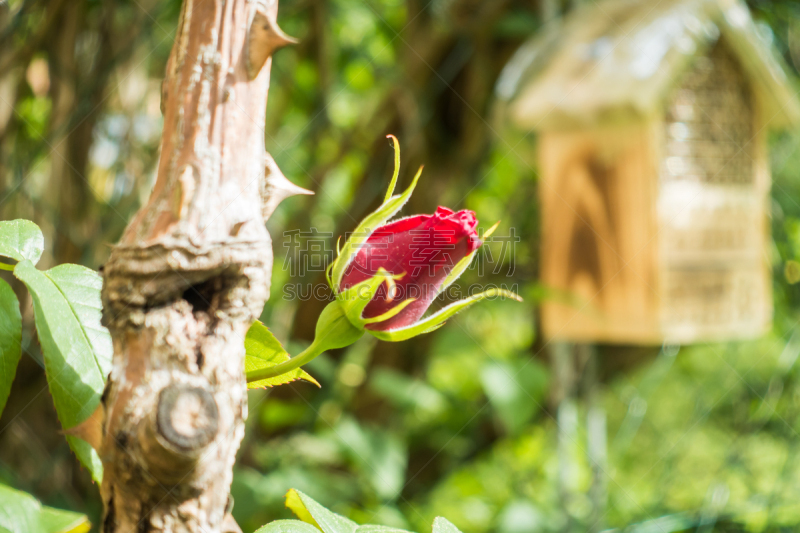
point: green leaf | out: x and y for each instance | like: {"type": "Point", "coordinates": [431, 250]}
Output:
{"type": "Point", "coordinates": [371, 528]}
{"type": "Point", "coordinates": [442, 525]}
{"type": "Point", "coordinates": [22, 513]}
{"type": "Point", "coordinates": [81, 287]}
{"type": "Point", "coordinates": [19, 511]}
{"type": "Point", "coordinates": [10, 339]}
{"type": "Point", "coordinates": [287, 526]}
{"type": "Point", "coordinates": [309, 511]}
{"type": "Point", "coordinates": [20, 240]}
{"type": "Point", "coordinates": [263, 350]}
{"type": "Point", "coordinates": [60, 521]}
{"type": "Point", "coordinates": [76, 376]}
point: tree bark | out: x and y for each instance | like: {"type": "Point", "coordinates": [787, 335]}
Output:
{"type": "Point", "coordinates": [189, 276]}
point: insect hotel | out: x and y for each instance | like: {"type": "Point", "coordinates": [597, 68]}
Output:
{"type": "Point", "coordinates": [653, 168]}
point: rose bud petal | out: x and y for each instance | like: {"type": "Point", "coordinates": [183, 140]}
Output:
{"type": "Point", "coordinates": [423, 250]}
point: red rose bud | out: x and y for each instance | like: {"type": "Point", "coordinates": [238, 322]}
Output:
{"type": "Point", "coordinates": [420, 251]}
{"type": "Point", "coordinates": [386, 276]}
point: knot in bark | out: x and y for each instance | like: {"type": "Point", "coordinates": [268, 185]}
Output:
{"type": "Point", "coordinates": [187, 419]}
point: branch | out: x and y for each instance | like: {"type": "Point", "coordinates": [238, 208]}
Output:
{"type": "Point", "coordinates": [188, 278]}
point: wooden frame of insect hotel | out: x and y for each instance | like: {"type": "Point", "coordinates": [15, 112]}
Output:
{"type": "Point", "coordinates": [654, 174]}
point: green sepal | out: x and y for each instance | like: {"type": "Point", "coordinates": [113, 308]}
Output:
{"type": "Point", "coordinates": [393, 182]}
{"type": "Point", "coordinates": [459, 269]}
{"type": "Point", "coordinates": [437, 319]}
{"type": "Point", "coordinates": [355, 299]}
{"type": "Point", "coordinates": [334, 329]}
{"type": "Point", "coordinates": [394, 311]}
{"type": "Point", "coordinates": [364, 230]}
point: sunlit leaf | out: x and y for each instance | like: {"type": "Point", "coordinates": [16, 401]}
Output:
{"type": "Point", "coordinates": [61, 521]}
{"type": "Point", "coordinates": [22, 513]}
{"type": "Point", "coordinates": [308, 510]}
{"type": "Point", "coordinates": [287, 526]}
{"type": "Point", "coordinates": [442, 525]}
{"type": "Point", "coordinates": [263, 350]}
{"type": "Point", "coordinates": [371, 528]}
{"type": "Point", "coordinates": [81, 287]}
{"type": "Point", "coordinates": [76, 376]}
{"type": "Point", "coordinates": [19, 512]}
{"type": "Point", "coordinates": [10, 338]}
{"type": "Point", "coordinates": [20, 240]}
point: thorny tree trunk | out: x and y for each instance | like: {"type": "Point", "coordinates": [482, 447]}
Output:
{"type": "Point", "coordinates": [188, 278]}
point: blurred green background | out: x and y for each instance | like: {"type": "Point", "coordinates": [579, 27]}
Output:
{"type": "Point", "coordinates": [461, 422]}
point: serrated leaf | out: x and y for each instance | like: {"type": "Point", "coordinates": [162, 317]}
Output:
{"type": "Point", "coordinates": [287, 526]}
{"type": "Point", "coordinates": [81, 287]}
{"type": "Point", "coordinates": [10, 340]}
{"type": "Point", "coordinates": [371, 528]}
{"type": "Point", "coordinates": [20, 240]}
{"type": "Point", "coordinates": [75, 375]}
{"type": "Point", "coordinates": [263, 350]}
{"type": "Point", "coordinates": [61, 521]}
{"type": "Point", "coordinates": [443, 525]}
{"type": "Point", "coordinates": [19, 511]}
{"type": "Point", "coordinates": [309, 511]}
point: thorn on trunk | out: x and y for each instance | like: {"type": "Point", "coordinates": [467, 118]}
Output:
{"type": "Point", "coordinates": [276, 188]}
{"type": "Point", "coordinates": [229, 525]}
{"type": "Point", "coordinates": [263, 39]}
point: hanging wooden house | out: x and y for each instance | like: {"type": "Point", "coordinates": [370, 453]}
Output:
{"type": "Point", "coordinates": [654, 175]}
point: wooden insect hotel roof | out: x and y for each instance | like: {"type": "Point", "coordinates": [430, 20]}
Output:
{"type": "Point", "coordinates": [616, 60]}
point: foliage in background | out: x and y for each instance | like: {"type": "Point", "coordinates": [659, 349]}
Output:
{"type": "Point", "coordinates": [460, 422]}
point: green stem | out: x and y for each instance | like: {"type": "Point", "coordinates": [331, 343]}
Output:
{"type": "Point", "coordinates": [4, 266]}
{"type": "Point", "coordinates": [287, 366]}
